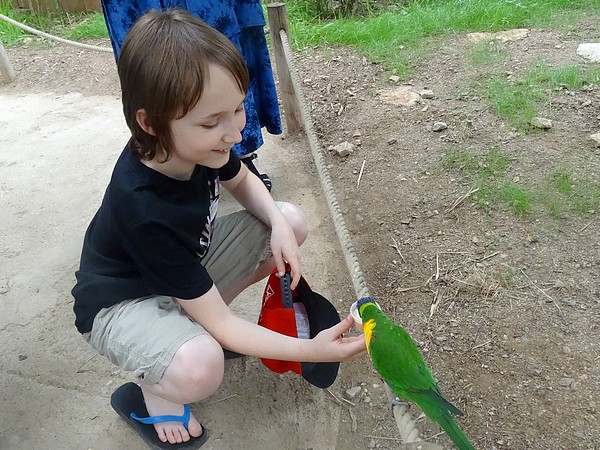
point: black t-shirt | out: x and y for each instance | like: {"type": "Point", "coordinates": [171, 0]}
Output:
{"type": "Point", "coordinates": [148, 237]}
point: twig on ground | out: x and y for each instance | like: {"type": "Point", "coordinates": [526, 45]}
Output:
{"type": "Point", "coordinates": [586, 226]}
{"type": "Point", "coordinates": [437, 298]}
{"type": "Point", "coordinates": [370, 436]}
{"type": "Point", "coordinates": [410, 288]}
{"type": "Point", "coordinates": [487, 257]}
{"type": "Point", "coordinates": [353, 419]}
{"type": "Point", "coordinates": [480, 345]}
{"type": "Point", "coordinates": [362, 169]}
{"type": "Point", "coordinates": [461, 199]}
{"type": "Point", "coordinates": [82, 371]}
{"type": "Point", "coordinates": [221, 400]}
{"type": "Point", "coordinates": [434, 436]}
{"type": "Point", "coordinates": [542, 291]}
{"type": "Point", "coordinates": [395, 245]}
{"type": "Point", "coordinates": [339, 399]}
{"type": "Point", "coordinates": [437, 266]}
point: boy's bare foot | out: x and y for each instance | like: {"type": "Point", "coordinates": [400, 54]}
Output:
{"type": "Point", "coordinates": [172, 432]}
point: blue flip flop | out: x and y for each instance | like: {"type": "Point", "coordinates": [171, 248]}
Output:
{"type": "Point", "coordinates": [128, 402]}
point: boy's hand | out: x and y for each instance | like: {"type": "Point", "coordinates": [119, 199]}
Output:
{"type": "Point", "coordinates": [285, 249]}
{"type": "Point", "coordinates": [332, 346]}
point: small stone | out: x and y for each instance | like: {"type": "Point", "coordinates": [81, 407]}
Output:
{"type": "Point", "coordinates": [427, 94]}
{"type": "Point", "coordinates": [595, 138]}
{"type": "Point", "coordinates": [353, 391]}
{"type": "Point", "coordinates": [439, 126]}
{"type": "Point", "coordinates": [22, 357]}
{"type": "Point", "coordinates": [540, 122]}
{"type": "Point", "coordinates": [367, 399]}
{"type": "Point", "coordinates": [4, 287]}
{"type": "Point", "coordinates": [565, 382]}
{"type": "Point", "coordinates": [356, 134]}
{"type": "Point", "coordinates": [589, 51]}
{"type": "Point", "coordinates": [394, 78]}
{"type": "Point", "coordinates": [343, 149]}
{"type": "Point", "coordinates": [392, 141]}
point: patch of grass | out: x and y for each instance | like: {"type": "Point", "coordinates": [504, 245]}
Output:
{"type": "Point", "coordinates": [519, 102]}
{"type": "Point", "coordinates": [565, 191]}
{"type": "Point", "coordinates": [75, 27]}
{"type": "Point", "coordinates": [495, 164]}
{"type": "Point", "coordinates": [561, 181]}
{"type": "Point", "coordinates": [482, 166]}
{"type": "Point", "coordinates": [518, 198]}
{"type": "Point", "coordinates": [394, 34]}
{"type": "Point", "coordinates": [516, 103]}
{"type": "Point", "coordinates": [464, 161]}
{"type": "Point", "coordinates": [487, 173]}
{"type": "Point", "coordinates": [561, 191]}
{"type": "Point", "coordinates": [86, 26]}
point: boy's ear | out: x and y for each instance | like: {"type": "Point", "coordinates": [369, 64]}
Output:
{"type": "Point", "coordinates": [142, 120]}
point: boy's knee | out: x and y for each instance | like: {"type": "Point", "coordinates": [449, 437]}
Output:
{"type": "Point", "coordinates": [295, 218]}
{"type": "Point", "coordinates": [200, 365]}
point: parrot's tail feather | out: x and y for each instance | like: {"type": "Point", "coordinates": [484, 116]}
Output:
{"type": "Point", "coordinates": [453, 409]}
{"type": "Point", "coordinates": [443, 403]}
{"type": "Point", "coordinates": [454, 432]}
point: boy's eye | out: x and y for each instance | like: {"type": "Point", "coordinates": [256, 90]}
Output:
{"type": "Point", "coordinates": [209, 125]}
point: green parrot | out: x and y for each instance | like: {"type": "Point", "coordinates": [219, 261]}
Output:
{"type": "Point", "coordinates": [398, 361]}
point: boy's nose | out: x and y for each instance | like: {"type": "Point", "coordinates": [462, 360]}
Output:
{"type": "Point", "coordinates": [233, 134]}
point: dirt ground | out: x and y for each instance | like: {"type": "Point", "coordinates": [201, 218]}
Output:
{"type": "Point", "coordinates": [513, 341]}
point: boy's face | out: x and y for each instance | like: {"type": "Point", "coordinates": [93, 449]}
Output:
{"type": "Point", "coordinates": [207, 132]}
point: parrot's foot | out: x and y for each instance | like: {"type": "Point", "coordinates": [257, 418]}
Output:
{"type": "Point", "coordinates": [395, 401]}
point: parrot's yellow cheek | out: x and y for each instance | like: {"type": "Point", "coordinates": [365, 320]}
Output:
{"type": "Point", "coordinates": [368, 328]}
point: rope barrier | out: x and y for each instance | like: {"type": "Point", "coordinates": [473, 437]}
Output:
{"type": "Point", "coordinates": [406, 424]}
{"type": "Point", "coordinates": [55, 38]}
{"type": "Point", "coordinates": [360, 287]}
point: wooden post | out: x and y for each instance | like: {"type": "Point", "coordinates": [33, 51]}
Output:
{"type": "Point", "coordinates": [278, 21]}
{"type": "Point", "coordinates": [6, 69]}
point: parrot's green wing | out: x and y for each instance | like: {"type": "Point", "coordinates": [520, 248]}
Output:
{"type": "Point", "coordinates": [395, 355]}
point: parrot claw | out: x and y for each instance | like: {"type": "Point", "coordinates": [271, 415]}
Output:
{"type": "Point", "coordinates": [395, 402]}
{"type": "Point", "coordinates": [392, 399]}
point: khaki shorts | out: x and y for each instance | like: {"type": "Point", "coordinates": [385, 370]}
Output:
{"type": "Point", "coordinates": [143, 335]}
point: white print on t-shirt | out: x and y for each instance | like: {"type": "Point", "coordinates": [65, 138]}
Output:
{"type": "Point", "coordinates": [213, 187]}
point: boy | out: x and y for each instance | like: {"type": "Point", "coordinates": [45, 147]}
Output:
{"type": "Point", "coordinates": [158, 269]}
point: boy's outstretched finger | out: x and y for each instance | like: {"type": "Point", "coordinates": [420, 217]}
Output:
{"type": "Point", "coordinates": [343, 327]}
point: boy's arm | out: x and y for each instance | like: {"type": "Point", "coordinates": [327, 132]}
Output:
{"type": "Point", "coordinates": [248, 338]}
{"type": "Point", "coordinates": [251, 193]}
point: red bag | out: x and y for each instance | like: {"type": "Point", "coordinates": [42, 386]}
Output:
{"type": "Point", "coordinates": [298, 313]}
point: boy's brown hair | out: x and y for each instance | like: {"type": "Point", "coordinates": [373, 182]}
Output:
{"type": "Point", "coordinates": [163, 67]}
